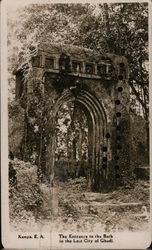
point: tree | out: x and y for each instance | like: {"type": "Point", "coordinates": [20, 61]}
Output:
{"type": "Point", "coordinates": [123, 29]}
{"type": "Point", "coordinates": [71, 133]}
{"type": "Point", "coordinates": [120, 28]}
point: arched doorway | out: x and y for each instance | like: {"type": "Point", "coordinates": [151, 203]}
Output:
{"type": "Point", "coordinates": [97, 122]}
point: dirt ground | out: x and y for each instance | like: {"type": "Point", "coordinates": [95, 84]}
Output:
{"type": "Point", "coordinates": [123, 209]}
{"type": "Point", "coordinates": [78, 209]}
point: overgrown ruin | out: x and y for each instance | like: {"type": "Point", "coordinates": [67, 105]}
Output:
{"type": "Point", "coordinates": [97, 86]}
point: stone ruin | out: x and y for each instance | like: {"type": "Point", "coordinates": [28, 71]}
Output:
{"type": "Point", "coordinates": [98, 84]}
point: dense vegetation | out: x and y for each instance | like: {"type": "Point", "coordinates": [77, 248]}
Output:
{"type": "Point", "coordinates": [115, 28]}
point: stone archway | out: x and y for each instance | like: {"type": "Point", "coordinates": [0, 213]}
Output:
{"type": "Point", "coordinates": [94, 82]}
{"type": "Point", "coordinates": [97, 123]}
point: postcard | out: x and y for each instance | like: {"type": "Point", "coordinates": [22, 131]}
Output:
{"type": "Point", "coordinates": [75, 130]}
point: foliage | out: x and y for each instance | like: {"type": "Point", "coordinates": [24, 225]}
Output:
{"type": "Point", "coordinates": [16, 128]}
{"type": "Point", "coordinates": [71, 133]}
{"type": "Point", "coordinates": [138, 145]}
{"type": "Point", "coordinates": [26, 199]}
{"type": "Point", "coordinates": [117, 28]}
{"type": "Point", "coordinates": [123, 29]}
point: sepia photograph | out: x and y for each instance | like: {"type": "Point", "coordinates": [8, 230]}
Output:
{"type": "Point", "coordinates": [78, 122]}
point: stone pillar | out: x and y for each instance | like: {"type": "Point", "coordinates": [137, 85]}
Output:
{"type": "Point", "coordinates": [123, 171]}
{"type": "Point", "coordinates": [33, 116]}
